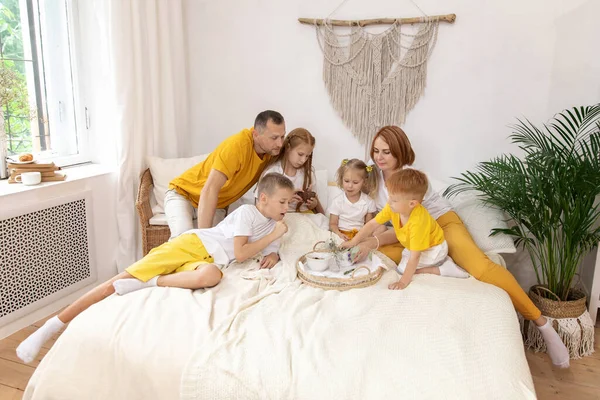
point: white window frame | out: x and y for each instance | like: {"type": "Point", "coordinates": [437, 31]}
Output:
{"type": "Point", "coordinates": [81, 116]}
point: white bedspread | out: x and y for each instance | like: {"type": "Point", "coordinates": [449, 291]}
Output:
{"type": "Point", "coordinates": [263, 335]}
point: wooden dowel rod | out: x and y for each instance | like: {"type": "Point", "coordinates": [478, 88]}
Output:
{"type": "Point", "coordinates": [378, 21]}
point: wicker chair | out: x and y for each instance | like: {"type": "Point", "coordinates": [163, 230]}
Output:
{"type": "Point", "coordinates": [152, 235]}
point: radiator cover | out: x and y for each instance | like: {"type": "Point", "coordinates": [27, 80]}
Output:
{"type": "Point", "coordinates": [45, 254]}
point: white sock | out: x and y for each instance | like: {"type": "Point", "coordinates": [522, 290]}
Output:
{"type": "Point", "coordinates": [556, 349]}
{"type": "Point", "coordinates": [30, 347]}
{"type": "Point", "coordinates": [124, 286]}
{"type": "Point", "coordinates": [449, 268]}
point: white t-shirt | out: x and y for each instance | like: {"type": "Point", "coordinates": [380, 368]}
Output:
{"type": "Point", "coordinates": [435, 204]}
{"type": "Point", "coordinates": [246, 220]}
{"type": "Point", "coordinates": [352, 215]}
{"type": "Point", "coordinates": [297, 180]}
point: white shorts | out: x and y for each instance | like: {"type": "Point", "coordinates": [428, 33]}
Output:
{"type": "Point", "coordinates": [182, 215]}
{"type": "Point", "coordinates": [436, 256]}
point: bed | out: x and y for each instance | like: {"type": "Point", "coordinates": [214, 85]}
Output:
{"type": "Point", "coordinates": [264, 335]}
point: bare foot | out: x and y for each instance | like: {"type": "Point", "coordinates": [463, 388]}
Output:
{"type": "Point", "coordinates": [428, 270]}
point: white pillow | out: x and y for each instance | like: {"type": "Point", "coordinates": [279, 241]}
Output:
{"type": "Point", "coordinates": [164, 170]}
{"type": "Point", "coordinates": [333, 191]}
{"type": "Point", "coordinates": [322, 193]}
{"type": "Point", "coordinates": [479, 219]}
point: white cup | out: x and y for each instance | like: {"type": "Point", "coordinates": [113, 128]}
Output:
{"type": "Point", "coordinates": [29, 178]}
{"type": "Point", "coordinates": [318, 261]}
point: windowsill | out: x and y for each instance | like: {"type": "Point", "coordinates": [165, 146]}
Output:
{"type": "Point", "coordinates": [74, 173]}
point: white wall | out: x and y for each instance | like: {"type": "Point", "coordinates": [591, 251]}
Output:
{"type": "Point", "coordinates": [499, 61]}
{"type": "Point", "coordinates": [104, 227]}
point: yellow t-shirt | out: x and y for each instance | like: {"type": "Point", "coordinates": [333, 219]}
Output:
{"type": "Point", "coordinates": [235, 157]}
{"type": "Point", "coordinates": [420, 232]}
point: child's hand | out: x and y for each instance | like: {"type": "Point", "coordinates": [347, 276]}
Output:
{"type": "Point", "coordinates": [269, 261]}
{"type": "Point", "coordinates": [280, 229]}
{"type": "Point", "coordinates": [342, 236]}
{"type": "Point", "coordinates": [400, 285]}
{"type": "Point", "coordinates": [312, 203]}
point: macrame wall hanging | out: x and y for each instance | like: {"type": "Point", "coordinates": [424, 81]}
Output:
{"type": "Point", "coordinates": [374, 80]}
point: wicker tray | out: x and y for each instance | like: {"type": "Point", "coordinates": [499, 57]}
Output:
{"type": "Point", "coordinates": [351, 282]}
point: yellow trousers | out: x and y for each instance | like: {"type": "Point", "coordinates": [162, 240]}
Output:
{"type": "Point", "coordinates": [467, 255]}
{"type": "Point", "coordinates": [183, 253]}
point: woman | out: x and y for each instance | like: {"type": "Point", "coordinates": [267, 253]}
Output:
{"type": "Point", "coordinates": [391, 151]}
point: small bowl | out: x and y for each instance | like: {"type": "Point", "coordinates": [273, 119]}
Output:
{"type": "Point", "coordinates": [318, 261]}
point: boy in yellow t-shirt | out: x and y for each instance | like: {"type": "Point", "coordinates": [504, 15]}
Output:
{"type": "Point", "coordinates": [421, 236]}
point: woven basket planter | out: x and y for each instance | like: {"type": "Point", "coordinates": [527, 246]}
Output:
{"type": "Point", "coordinates": [570, 319]}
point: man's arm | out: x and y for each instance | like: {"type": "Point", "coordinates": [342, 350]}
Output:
{"type": "Point", "coordinates": [209, 196]}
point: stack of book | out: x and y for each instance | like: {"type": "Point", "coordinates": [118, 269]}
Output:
{"type": "Point", "coordinates": [48, 171]}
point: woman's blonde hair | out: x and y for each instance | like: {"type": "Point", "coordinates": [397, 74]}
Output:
{"type": "Point", "coordinates": [294, 138]}
{"type": "Point", "coordinates": [370, 175]}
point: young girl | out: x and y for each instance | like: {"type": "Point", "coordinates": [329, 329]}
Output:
{"type": "Point", "coordinates": [295, 162]}
{"type": "Point", "coordinates": [352, 209]}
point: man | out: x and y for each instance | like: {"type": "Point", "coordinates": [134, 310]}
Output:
{"type": "Point", "coordinates": [226, 174]}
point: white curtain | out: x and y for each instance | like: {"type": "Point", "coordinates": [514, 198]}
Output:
{"type": "Point", "coordinates": [145, 106]}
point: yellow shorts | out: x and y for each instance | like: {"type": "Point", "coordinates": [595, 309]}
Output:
{"type": "Point", "coordinates": [183, 253]}
{"type": "Point", "coordinates": [350, 234]}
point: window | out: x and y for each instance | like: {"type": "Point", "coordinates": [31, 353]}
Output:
{"type": "Point", "coordinates": [36, 52]}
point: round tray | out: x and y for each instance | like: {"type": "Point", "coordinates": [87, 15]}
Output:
{"type": "Point", "coordinates": [351, 282]}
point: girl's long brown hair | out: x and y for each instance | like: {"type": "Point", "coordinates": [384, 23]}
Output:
{"type": "Point", "coordinates": [293, 139]}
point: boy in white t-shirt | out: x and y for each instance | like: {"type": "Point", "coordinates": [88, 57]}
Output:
{"type": "Point", "coordinates": [192, 260]}
{"type": "Point", "coordinates": [247, 231]}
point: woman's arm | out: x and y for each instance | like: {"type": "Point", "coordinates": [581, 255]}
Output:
{"type": "Point", "coordinates": [364, 232]}
{"type": "Point", "coordinates": [373, 243]}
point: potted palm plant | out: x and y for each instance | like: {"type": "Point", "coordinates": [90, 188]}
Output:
{"type": "Point", "coordinates": [550, 193]}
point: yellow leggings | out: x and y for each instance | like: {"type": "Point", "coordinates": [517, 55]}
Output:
{"type": "Point", "coordinates": [467, 255]}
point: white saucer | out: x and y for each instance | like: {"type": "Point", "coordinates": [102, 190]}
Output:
{"type": "Point", "coordinates": [20, 162]}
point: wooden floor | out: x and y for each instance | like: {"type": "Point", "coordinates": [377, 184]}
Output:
{"type": "Point", "coordinates": [580, 382]}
